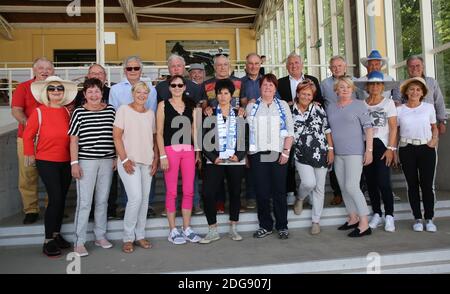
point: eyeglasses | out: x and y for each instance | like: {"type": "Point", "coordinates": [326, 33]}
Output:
{"type": "Point", "coordinates": [176, 85]}
{"type": "Point", "coordinates": [52, 88]}
{"type": "Point", "coordinates": [135, 68]}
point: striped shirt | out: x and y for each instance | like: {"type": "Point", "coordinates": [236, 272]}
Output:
{"type": "Point", "coordinates": [94, 130]}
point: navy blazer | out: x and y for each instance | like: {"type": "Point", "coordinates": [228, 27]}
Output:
{"type": "Point", "coordinates": [284, 89]}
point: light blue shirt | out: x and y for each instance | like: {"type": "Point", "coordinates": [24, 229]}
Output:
{"type": "Point", "coordinates": [120, 94]}
{"type": "Point", "coordinates": [330, 96]}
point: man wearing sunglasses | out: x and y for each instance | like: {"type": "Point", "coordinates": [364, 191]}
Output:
{"type": "Point", "coordinates": [121, 92]}
{"type": "Point", "coordinates": [23, 104]}
{"type": "Point", "coordinates": [176, 65]}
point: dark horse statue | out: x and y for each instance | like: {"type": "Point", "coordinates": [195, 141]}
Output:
{"type": "Point", "coordinates": [195, 57]}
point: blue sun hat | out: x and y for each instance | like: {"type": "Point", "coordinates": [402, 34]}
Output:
{"type": "Point", "coordinates": [374, 55]}
{"type": "Point", "coordinates": [375, 77]}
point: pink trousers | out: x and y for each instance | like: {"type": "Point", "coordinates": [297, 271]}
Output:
{"type": "Point", "coordinates": [180, 156]}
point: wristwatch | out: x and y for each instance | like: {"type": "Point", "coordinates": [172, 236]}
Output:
{"type": "Point", "coordinates": [444, 122]}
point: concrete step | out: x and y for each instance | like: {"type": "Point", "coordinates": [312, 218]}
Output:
{"type": "Point", "coordinates": [158, 227]}
{"type": "Point", "coordinates": [419, 262]}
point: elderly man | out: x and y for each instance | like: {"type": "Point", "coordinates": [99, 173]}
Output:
{"type": "Point", "coordinates": [415, 67]}
{"type": "Point", "coordinates": [176, 65]}
{"type": "Point", "coordinates": [375, 62]}
{"type": "Point", "coordinates": [120, 94]}
{"type": "Point", "coordinates": [98, 72]}
{"type": "Point", "coordinates": [250, 83]}
{"type": "Point", "coordinates": [287, 87]}
{"type": "Point", "coordinates": [221, 71]}
{"type": "Point", "coordinates": [23, 104]}
{"type": "Point", "coordinates": [197, 73]}
{"type": "Point", "coordinates": [338, 68]}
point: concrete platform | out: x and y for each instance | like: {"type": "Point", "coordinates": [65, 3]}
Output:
{"type": "Point", "coordinates": [404, 251]}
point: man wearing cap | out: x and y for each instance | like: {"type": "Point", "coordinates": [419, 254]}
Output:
{"type": "Point", "coordinates": [22, 105]}
{"type": "Point", "coordinates": [375, 62]}
{"type": "Point", "coordinates": [197, 73]}
{"type": "Point", "coordinates": [415, 67]}
{"type": "Point", "coordinates": [176, 65]}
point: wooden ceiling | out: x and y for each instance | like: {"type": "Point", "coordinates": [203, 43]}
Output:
{"type": "Point", "coordinates": [240, 13]}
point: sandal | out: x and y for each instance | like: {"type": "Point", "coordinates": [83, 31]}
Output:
{"type": "Point", "coordinates": [143, 243]}
{"type": "Point", "coordinates": [128, 247]}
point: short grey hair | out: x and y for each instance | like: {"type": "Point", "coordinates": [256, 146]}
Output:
{"type": "Point", "coordinates": [414, 57]}
{"type": "Point", "coordinates": [42, 59]}
{"type": "Point", "coordinates": [251, 55]}
{"type": "Point", "coordinates": [96, 64]}
{"type": "Point", "coordinates": [133, 58]}
{"type": "Point", "coordinates": [174, 57]}
{"type": "Point", "coordinates": [294, 55]}
{"type": "Point", "coordinates": [222, 55]}
{"type": "Point", "coordinates": [338, 57]}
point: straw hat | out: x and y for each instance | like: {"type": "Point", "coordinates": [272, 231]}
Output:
{"type": "Point", "coordinates": [404, 86]}
{"type": "Point", "coordinates": [376, 77]}
{"type": "Point", "coordinates": [374, 55]}
{"type": "Point", "coordinates": [39, 90]}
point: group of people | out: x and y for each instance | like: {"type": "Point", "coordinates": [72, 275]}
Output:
{"type": "Point", "coordinates": [225, 130]}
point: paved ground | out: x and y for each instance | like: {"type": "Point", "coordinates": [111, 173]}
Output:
{"type": "Point", "coordinates": [225, 253]}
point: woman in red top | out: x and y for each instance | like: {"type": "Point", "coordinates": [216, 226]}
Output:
{"type": "Point", "coordinates": [46, 144]}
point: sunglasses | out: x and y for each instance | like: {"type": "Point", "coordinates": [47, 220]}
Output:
{"type": "Point", "coordinates": [135, 68]}
{"type": "Point", "coordinates": [176, 85]}
{"type": "Point", "coordinates": [55, 88]}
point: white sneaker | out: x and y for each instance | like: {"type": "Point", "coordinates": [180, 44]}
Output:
{"type": "Point", "coordinates": [430, 227]}
{"type": "Point", "coordinates": [190, 235]}
{"type": "Point", "coordinates": [389, 225]}
{"type": "Point", "coordinates": [375, 221]}
{"type": "Point", "coordinates": [105, 244]}
{"type": "Point", "coordinates": [291, 198]}
{"type": "Point", "coordinates": [418, 226]}
{"type": "Point", "coordinates": [175, 237]}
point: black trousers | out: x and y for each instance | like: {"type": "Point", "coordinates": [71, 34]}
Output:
{"type": "Point", "coordinates": [56, 177]}
{"type": "Point", "coordinates": [334, 184]}
{"type": "Point", "coordinates": [291, 185]}
{"type": "Point", "coordinates": [378, 179]}
{"type": "Point", "coordinates": [270, 185]}
{"type": "Point", "coordinates": [213, 183]}
{"type": "Point", "coordinates": [418, 165]}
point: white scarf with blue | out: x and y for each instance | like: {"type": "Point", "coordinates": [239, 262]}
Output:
{"type": "Point", "coordinates": [227, 133]}
{"type": "Point", "coordinates": [282, 113]}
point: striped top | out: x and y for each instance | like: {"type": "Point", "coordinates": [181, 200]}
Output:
{"type": "Point", "coordinates": [94, 130]}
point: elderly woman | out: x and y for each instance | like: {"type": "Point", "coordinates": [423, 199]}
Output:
{"type": "Point", "coordinates": [175, 117]}
{"type": "Point", "coordinates": [417, 149]}
{"type": "Point", "coordinates": [313, 149]}
{"type": "Point", "coordinates": [92, 156]}
{"type": "Point", "coordinates": [271, 136]}
{"type": "Point", "coordinates": [134, 136]}
{"type": "Point", "coordinates": [224, 152]}
{"type": "Point", "coordinates": [383, 115]}
{"type": "Point", "coordinates": [350, 125]}
{"type": "Point", "coordinates": [46, 144]}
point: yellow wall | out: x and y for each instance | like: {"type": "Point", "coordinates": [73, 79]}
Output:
{"type": "Point", "coordinates": [29, 44]}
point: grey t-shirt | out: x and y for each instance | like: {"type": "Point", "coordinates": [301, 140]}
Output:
{"type": "Point", "coordinates": [347, 127]}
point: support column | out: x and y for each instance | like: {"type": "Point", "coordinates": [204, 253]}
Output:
{"type": "Point", "coordinates": [100, 31]}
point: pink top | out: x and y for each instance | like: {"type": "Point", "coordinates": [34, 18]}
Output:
{"type": "Point", "coordinates": [138, 130]}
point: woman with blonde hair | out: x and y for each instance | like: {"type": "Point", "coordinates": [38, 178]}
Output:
{"type": "Point", "coordinates": [134, 135]}
{"type": "Point", "coordinates": [353, 146]}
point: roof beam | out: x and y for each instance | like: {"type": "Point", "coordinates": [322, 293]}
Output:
{"type": "Point", "coordinates": [144, 10]}
{"type": "Point", "coordinates": [6, 28]}
{"type": "Point", "coordinates": [130, 14]}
